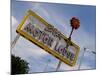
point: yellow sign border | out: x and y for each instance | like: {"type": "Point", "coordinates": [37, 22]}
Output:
{"type": "Point", "coordinates": [30, 38]}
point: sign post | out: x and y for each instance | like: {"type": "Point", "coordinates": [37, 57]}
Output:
{"type": "Point", "coordinates": [46, 36]}
{"type": "Point", "coordinates": [15, 40]}
{"type": "Point", "coordinates": [58, 66]}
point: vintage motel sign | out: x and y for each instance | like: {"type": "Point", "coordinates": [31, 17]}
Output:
{"type": "Point", "coordinates": [46, 36]}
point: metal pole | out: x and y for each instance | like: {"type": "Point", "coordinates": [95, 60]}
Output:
{"type": "Point", "coordinates": [15, 40]}
{"type": "Point", "coordinates": [81, 59]}
{"type": "Point", "coordinates": [71, 34]}
{"type": "Point", "coordinates": [47, 65]}
{"type": "Point", "coordinates": [83, 56]}
{"type": "Point", "coordinates": [59, 64]}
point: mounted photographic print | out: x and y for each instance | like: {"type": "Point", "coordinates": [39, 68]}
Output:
{"type": "Point", "coordinates": [52, 37]}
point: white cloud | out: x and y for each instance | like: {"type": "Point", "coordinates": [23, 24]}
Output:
{"type": "Point", "coordinates": [37, 7]}
{"type": "Point", "coordinates": [14, 21]}
{"type": "Point", "coordinates": [14, 24]}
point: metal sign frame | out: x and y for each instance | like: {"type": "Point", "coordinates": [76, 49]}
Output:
{"type": "Point", "coordinates": [40, 44]}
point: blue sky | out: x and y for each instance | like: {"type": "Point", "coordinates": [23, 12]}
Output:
{"type": "Point", "coordinates": [59, 16]}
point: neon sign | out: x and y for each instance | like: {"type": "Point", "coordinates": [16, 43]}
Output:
{"type": "Point", "coordinates": [46, 36]}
